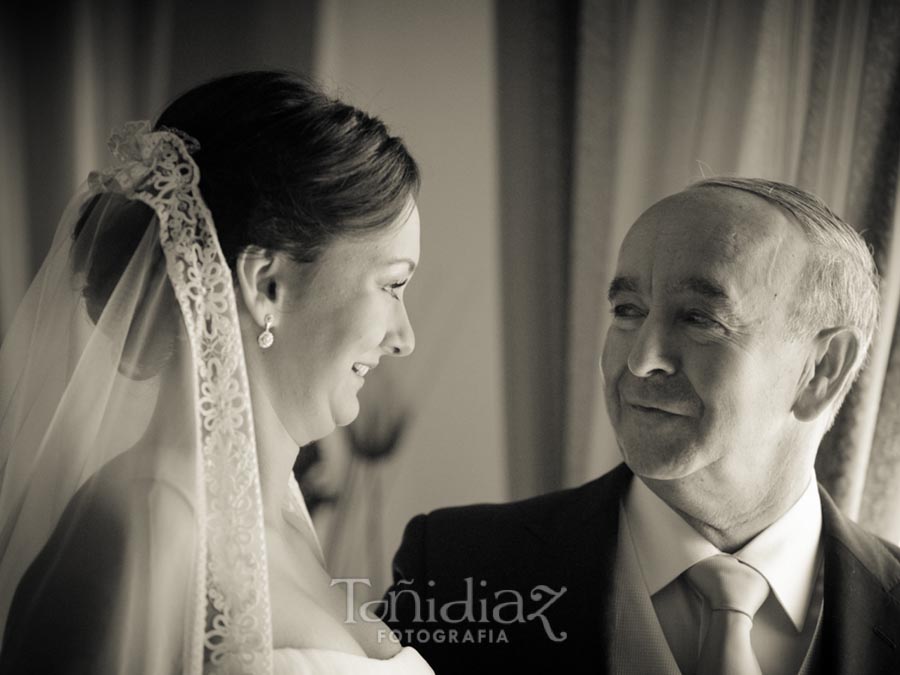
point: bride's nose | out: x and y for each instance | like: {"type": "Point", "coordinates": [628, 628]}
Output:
{"type": "Point", "coordinates": [400, 340]}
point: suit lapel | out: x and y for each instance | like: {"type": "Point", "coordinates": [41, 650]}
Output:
{"type": "Point", "coordinates": [607, 539]}
{"type": "Point", "coordinates": [583, 535]}
{"type": "Point", "coordinates": [861, 607]}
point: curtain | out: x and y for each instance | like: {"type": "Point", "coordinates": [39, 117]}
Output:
{"type": "Point", "coordinates": [804, 92]}
{"type": "Point", "coordinates": [70, 71]}
{"type": "Point", "coordinates": [859, 460]}
{"type": "Point", "coordinates": [535, 101]}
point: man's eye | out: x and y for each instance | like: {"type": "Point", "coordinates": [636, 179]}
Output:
{"type": "Point", "coordinates": [701, 320]}
{"type": "Point", "coordinates": [626, 311]}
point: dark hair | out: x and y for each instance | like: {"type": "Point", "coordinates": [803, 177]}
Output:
{"type": "Point", "coordinates": [285, 167]}
{"type": "Point", "coordinates": [108, 232]}
{"type": "Point", "coordinates": [282, 167]}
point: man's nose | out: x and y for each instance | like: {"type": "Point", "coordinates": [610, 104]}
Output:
{"type": "Point", "coordinates": [401, 339]}
{"type": "Point", "coordinates": [652, 353]}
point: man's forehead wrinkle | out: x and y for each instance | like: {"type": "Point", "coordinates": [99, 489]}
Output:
{"type": "Point", "coordinates": [740, 217]}
{"type": "Point", "coordinates": [733, 224]}
{"type": "Point", "coordinates": [731, 238]}
{"type": "Point", "coordinates": [764, 256]}
{"type": "Point", "coordinates": [635, 257]}
{"type": "Point", "coordinates": [785, 250]}
{"type": "Point", "coordinates": [774, 266]}
{"type": "Point", "coordinates": [699, 285]}
{"type": "Point", "coordinates": [736, 257]}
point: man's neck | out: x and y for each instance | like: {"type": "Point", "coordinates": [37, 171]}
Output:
{"type": "Point", "coordinates": [729, 519]}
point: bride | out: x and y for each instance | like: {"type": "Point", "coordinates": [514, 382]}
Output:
{"type": "Point", "coordinates": [209, 304]}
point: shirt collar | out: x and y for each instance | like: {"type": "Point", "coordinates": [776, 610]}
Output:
{"type": "Point", "coordinates": [785, 553]}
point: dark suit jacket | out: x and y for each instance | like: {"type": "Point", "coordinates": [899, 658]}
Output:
{"type": "Point", "coordinates": [519, 556]}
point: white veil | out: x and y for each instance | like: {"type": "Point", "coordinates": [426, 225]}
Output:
{"type": "Point", "coordinates": [131, 524]}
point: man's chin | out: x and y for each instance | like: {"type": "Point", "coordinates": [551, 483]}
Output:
{"type": "Point", "coordinates": [668, 462]}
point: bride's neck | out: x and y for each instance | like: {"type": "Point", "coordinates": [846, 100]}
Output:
{"type": "Point", "coordinates": [276, 452]}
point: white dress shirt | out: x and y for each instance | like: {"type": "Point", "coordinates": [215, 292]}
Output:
{"type": "Point", "coordinates": [787, 554]}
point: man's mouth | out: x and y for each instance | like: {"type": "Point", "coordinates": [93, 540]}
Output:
{"type": "Point", "coordinates": [661, 409]}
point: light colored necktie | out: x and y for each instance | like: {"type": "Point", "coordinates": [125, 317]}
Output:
{"type": "Point", "coordinates": [734, 592]}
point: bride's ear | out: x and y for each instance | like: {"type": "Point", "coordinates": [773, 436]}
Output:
{"type": "Point", "coordinates": [259, 282]}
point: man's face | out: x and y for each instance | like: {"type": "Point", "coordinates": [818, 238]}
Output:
{"type": "Point", "coordinates": [699, 371]}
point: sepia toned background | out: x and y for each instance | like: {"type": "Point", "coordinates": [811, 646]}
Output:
{"type": "Point", "coordinates": [543, 129]}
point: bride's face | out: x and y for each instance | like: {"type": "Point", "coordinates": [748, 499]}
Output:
{"type": "Point", "coordinates": [340, 316]}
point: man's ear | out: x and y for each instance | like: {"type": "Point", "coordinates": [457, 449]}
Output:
{"type": "Point", "coordinates": [259, 274]}
{"type": "Point", "coordinates": [828, 372]}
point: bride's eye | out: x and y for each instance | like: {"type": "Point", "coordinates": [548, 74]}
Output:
{"type": "Point", "coordinates": [395, 288]}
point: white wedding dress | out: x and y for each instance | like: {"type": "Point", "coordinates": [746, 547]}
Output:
{"type": "Point", "coordinates": [325, 662]}
{"type": "Point", "coordinates": [290, 661]}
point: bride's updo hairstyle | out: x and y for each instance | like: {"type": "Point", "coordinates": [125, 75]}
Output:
{"type": "Point", "coordinates": [283, 167]}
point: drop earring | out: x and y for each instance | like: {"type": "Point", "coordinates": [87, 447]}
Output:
{"type": "Point", "coordinates": [266, 338]}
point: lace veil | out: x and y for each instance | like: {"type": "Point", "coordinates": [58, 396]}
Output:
{"type": "Point", "coordinates": [129, 489]}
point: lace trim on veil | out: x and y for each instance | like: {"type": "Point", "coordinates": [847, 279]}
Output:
{"type": "Point", "coordinates": [232, 622]}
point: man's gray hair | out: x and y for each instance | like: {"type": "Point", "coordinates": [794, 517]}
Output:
{"type": "Point", "coordinates": [839, 282]}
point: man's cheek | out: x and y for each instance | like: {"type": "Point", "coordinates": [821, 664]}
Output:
{"type": "Point", "coordinates": [614, 356]}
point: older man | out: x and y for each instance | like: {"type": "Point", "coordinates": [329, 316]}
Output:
{"type": "Point", "coordinates": [742, 312]}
